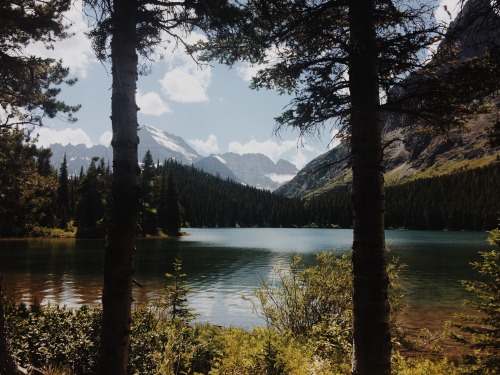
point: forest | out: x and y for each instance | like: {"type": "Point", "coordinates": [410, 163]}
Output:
{"type": "Point", "coordinates": [42, 201]}
{"type": "Point", "coordinates": [346, 65]}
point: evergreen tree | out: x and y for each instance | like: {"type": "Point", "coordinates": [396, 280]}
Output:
{"type": "Point", "coordinates": [28, 84]}
{"type": "Point", "coordinates": [26, 197]}
{"type": "Point", "coordinates": [482, 331]}
{"type": "Point", "coordinates": [148, 214]}
{"type": "Point", "coordinates": [338, 58]}
{"type": "Point", "coordinates": [90, 215]}
{"type": "Point", "coordinates": [175, 297]}
{"type": "Point", "coordinates": [63, 195]}
{"type": "Point", "coordinates": [173, 219]}
{"type": "Point", "coordinates": [123, 30]}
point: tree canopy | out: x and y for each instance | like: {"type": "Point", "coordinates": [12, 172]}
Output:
{"type": "Point", "coordinates": [29, 85]}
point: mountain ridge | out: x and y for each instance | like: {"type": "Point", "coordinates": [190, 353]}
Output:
{"type": "Point", "coordinates": [411, 154]}
{"type": "Point", "coordinates": [251, 169]}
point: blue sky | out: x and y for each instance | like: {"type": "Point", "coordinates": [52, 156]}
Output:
{"type": "Point", "coordinates": [212, 108]}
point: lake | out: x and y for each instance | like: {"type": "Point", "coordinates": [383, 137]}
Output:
{"type": "Point", "coordinates": [225, 264]}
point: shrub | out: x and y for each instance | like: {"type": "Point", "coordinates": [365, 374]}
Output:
{"type": "Point", "coordinates": [482, 331]}
{"type": "Point", "coordinates": [55, 337]}
{"type": "Point", "coordinates": [316, 303]}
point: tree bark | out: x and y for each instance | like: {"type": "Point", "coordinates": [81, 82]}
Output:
{"type": "Point", "coordinates": [371, 336]}
{"type": "Point", "coordinates": [120, 246]}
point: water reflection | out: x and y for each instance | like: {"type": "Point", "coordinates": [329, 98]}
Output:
{"type": "Point", "coordinates": [224, 264]}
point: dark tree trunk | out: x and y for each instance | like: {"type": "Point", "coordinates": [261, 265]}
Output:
{"type": "Point", "coordinates": [372, 339]}
{"type": "Point", "coordinates": [120, 246]}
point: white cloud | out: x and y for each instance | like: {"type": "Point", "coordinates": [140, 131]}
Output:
{"type": "Point", "coordinates": [299, 159]}
{"type": "Point", "coordinates": [76, 51]}
{"type": "Point", "coordinates": [270, 148]}
{"type": "Point", "coordinates": [447, 10]}
{"type": "Point", "coordinates": [105, 138]}
{"type": "Point", "coordinates": [210, 146]}
{"type": "Point", "coordinates": [247, 71]}
{"type": "Point", "coordinates": [151, 103]}
{"type": "Point", "coordinates": [186, 84]}
{"type": "Point", "coordinates": [66, 136]}
{"type": "Point", "coordinates": [185, 81]}
{"type": "Point", "coordinates": [296, 151]}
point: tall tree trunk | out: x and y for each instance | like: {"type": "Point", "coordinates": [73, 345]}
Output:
{"type": "Point", "coordinates": [372, 339]}
{"type": "Point", "coordinates": [120, 246]}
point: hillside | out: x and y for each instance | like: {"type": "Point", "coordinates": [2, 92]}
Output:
{"type": "Point", "coordinates": [409, 152]}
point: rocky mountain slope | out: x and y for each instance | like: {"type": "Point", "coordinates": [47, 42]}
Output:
{"type": "Point", "coordinates": [258, 170]}
{"type": "Point", "coordinates": [410, 154]}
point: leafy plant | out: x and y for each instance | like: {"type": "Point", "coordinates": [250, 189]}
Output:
{"type": "Point", "coordinates": [55, 337]}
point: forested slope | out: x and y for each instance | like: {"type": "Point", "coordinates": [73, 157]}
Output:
{"type": "Point", "coordinates": [465, 200]}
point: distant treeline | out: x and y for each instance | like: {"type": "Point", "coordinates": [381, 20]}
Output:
{"type": "Point", "coordinates": [465, 200]}
{"type": "Point", "coordinates": [34, 196]}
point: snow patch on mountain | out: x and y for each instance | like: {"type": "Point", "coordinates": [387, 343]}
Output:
{"type": "Point", "coordinates": [280, 178]}
{"type": "Point", "coordinates": [163, 139]}
{"type": "Point", "coordinates": [221, 159]}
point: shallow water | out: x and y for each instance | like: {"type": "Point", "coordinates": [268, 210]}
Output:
{"type": "Point", "coordinates": [225, 264]}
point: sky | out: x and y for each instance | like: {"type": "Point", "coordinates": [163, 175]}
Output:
{"type": "Point", "coordinates": [212, 107]}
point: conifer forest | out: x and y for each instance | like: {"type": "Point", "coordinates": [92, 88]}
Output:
{"type": "Point", "coordinates": [52, 199]}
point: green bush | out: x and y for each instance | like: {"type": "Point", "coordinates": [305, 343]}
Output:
{"type": "Point", "coordinates": [48, 337]}
{"type": "Point", "coordinates": [423, 366]}
{"type": "Point", "coordinates": [482, 331]}
{"type": "Point", "coordinates": [316, 303]}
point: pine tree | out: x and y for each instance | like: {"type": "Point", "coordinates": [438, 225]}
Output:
{"type": "Point", "coordinates": [173, 220]}
{"type": "Point", "coordinates": [63, 195]}
{"type": "Point", "coordinates": [26, 196]}
{"type": "Point", "coordinates": [90, 213]}
{"type": "Point", "coordinates": [482, 331]}
{"type": "Point", "coordinates": [28, 87]}
{"type": "Point", "coordinates": [175, 296]}
{"type": "Point", "coordinates": [125, 29]}
{"type": "Point", "coordinates": [148, 214]}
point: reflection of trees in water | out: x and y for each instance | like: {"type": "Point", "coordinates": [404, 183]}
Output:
{"type": "Point", "coordinates": [52, 289]}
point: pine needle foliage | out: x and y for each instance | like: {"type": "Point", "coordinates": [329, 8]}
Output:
{"type": "Point", "coordinates": [481, 331]}
{"type": "Point", "coordinates": [175, 301]}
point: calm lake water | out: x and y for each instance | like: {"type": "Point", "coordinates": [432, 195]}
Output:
{"type": "Point", "coordinates": [225, 264]}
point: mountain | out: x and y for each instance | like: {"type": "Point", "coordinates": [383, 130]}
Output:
{"type": "Point", "coordinates": [251, 169]}
{"type": "Point", "coordinates": [216, 167]}
{"type": "Point", "coordinates": [163, 146]}
{"type": "Point", "coordinates": [409, 154]}
{"type": "Point", "coordinates": [78, 156]}
{"type": "Point", "coordinates": [255, 169]}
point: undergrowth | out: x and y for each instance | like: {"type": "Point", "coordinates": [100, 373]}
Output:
{"type": "Point", "coordinates": [308, 311]}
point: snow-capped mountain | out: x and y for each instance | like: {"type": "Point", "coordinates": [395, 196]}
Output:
{"type": "Point", "coordinates": [254, 169]}
{"type": "Point", "coordinates": [163, 146]}
{"type": "Point", "coordinates": [250, 169]}
{"type": "Point", "coordinates": [215, 166]}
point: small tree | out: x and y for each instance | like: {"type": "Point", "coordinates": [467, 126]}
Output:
{"type": "Point", "coordinates": [175, 296]}
{"type": "Point", "coordinates": [482, 331]}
